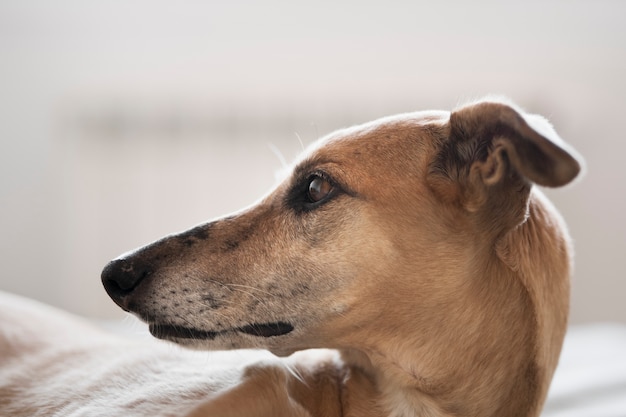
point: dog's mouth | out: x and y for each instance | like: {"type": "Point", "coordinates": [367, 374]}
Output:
{"type": "Point", "coordinates": [167, 331]}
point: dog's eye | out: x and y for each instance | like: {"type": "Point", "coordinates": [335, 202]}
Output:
{"type": "Point", "coordinates": [319, 189]}
{"type": "Point", "coordinates": [312, 191]}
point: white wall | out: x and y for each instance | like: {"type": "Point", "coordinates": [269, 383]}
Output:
{"type": "Point", "coordinates": [124, 120]}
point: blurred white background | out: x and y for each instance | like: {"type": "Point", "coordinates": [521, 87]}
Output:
{"type": "Point", "coordinates": [124, 120]}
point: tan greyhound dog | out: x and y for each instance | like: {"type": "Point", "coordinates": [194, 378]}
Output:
{"type": "Point", "coordinates": [414, 248]}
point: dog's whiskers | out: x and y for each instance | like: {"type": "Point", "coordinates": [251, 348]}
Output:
{"type": "Point", "coordinates": [279, 155]}
{"type": "Point", "coordinates": [300, 141]}
{"type": "Point", "coordinates": [260, 300]}
{"type": "Point", "coordinates": [238, 286]}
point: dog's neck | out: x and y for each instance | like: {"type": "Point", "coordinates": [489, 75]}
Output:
{"type": "Point", "coordinates": [393, 390]}
{"type": "Point", "coordinates": [386, 394]}
{"type": "Point", "coordinates": [398, 388]}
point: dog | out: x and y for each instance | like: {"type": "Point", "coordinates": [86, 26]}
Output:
{"type": "Point", "coordinates": [406, 267]}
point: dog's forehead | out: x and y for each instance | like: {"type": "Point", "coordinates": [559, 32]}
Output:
{"type": "Point", "coordinates": [378, 129]}
{"type": "Point", "coordinates": [373, 140]}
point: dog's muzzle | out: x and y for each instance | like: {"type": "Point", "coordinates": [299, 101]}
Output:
{"type": "Point", "coordinates": [122, 276]}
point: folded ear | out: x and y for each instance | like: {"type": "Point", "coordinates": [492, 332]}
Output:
{"type": "Point", "coordinates": [492, 146]}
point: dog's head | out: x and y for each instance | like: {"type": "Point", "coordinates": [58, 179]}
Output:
{"type": "Point", "coordinates": [389, 237]}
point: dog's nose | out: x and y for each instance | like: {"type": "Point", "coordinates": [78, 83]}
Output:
{"type": "Point", "coordinates": [121, 276]}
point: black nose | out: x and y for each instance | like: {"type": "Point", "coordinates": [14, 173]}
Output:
{"type": "Point", "coordinates": [121, 276]}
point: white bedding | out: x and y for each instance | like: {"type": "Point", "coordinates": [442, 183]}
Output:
{"type": "Point", "coordinates": [591, 378]}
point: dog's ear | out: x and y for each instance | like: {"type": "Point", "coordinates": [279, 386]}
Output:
{"type": "Point", "coordinates": [492, 147]}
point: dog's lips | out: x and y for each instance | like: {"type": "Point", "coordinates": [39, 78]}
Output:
{"type": "Point", "coordinates": [168, 331]}
{"type": "Point", "coordinates": [267, 330]}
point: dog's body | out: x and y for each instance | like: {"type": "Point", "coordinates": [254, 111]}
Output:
{"type": "Point", "coordinates": [415, 247]}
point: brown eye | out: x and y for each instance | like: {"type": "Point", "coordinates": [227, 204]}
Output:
{"type": "Point", "coordinates": [319, 189]}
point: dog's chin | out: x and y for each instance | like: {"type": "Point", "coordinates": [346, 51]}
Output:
{"type": "Point", "coordinates": [247, 336]}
